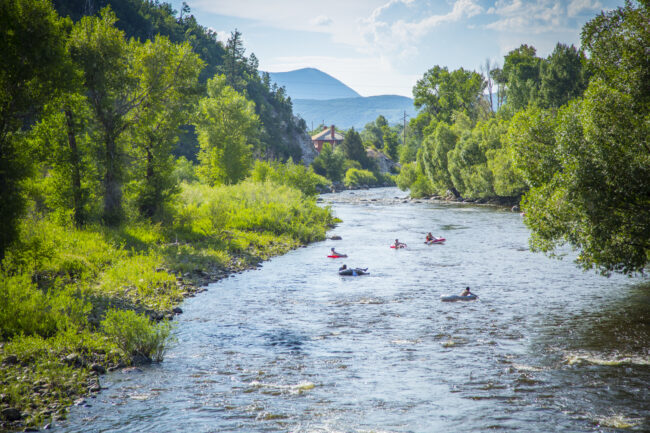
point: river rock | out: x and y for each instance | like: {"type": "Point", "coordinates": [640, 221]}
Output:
{"type": "Point", "coordinates": [10, 360]}
{"type": "Point", "coordinates": [177, 310]}
{"type": "Point", "coordinates": [336, 238]}
{"type": "Point", "coordinates": [98, 368]}
{"type": "Point", "coordinates": [11, 414]}
{"type": "Point", "coordinates": [72, 359]}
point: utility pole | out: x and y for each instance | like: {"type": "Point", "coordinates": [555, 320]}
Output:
{"type": "Point", "coordinates": [404, 131]}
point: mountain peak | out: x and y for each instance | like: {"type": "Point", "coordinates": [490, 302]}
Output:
{"type": "Point", "coordinates": [312, 83]}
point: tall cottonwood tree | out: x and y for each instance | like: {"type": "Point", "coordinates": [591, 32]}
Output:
{"type": "Point", "coordinates": [169, 74]}
{"type": "Point", "coordinates": [589, 167]}
{"type": "Point", "coordinates": [103, 54]}
{"type": "Point", "coordinates": [228, 129]}
{"type": "Point", "coordinates": [32, 70]}
{"type": "Point", "coordinates": [127, 83]}
{"type": "Point", "coordinates": [63, 142]}
{"type": "Point", "coordinates": [441, 92]}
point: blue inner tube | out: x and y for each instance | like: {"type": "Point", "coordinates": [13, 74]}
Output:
{"type": "Point", "coordinates": [353, 272]}
{"type": "Point", "coordinates": [454, 298]}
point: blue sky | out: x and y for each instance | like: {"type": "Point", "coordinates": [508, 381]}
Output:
{"type": "Point", "coordinates": [384, 46]}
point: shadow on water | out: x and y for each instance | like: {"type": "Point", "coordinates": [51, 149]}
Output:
{"type": "Point", "coordinates": [599, 362]}
{"type": "Point", "coordinates": [285, 339]}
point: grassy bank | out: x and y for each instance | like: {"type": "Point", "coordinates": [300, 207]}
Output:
{"type": "Point", "coordinates": [75, 303]}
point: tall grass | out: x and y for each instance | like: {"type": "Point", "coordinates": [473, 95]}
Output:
{"type": "Point", "coordinates": [135, 335]}
{"type": "Point", "coordinates": [250, 206]}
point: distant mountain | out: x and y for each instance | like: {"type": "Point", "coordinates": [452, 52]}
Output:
{"type": "Point", "coordinates": [348, 112]}
{"type": "Point", "coordinates": [310, 83]}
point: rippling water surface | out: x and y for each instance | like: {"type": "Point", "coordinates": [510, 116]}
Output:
{"type": "Point", "coordinates": [293, 347]}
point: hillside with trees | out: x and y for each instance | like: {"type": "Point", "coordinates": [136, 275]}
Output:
{"type": "Point", "coordinates": [281, 134]}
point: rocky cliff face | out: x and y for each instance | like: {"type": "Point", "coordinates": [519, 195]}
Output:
{"type": "Point", "coordinates": [384, 162]}
{"type": "Point", "coordinates": [306, 146]}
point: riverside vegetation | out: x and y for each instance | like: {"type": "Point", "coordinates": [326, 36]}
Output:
{"type": "Point", "coordinates": [570, 135]}
{"type": "Point", "coordinates": [71, 295]}
{"type": "Point", "coordinates": [107, 225]}
{"type": "Point", "coordinates": [79, 301]}
{"type": "Point", "coordinates": [128, 173]}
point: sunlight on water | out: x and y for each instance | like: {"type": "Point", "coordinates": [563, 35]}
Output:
{"type": "Point", "coordinates": [617, 421]}
{"type": "Point", "coordinates": [613, 360]}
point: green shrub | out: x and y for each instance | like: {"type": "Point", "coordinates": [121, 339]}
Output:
{"type": "Point", "coordinates": [407, 176]}
{"type": "Point", "coordinates": [422, 187]}
{"type": "Point", "coordinates": [356, 177]}
{"type": "Point", "coordinates": [140, 278]}
{"type": "Point", "coordinates": [28, 310]}
{"type": "Point", "coordinates": [136, 335]}
{"type": "Point", "coordinates": [294, 175]}
{"type": "Point", "coordinates": [250, 206]}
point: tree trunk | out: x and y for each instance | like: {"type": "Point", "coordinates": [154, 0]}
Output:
{"type": "Point", "coordinates": [75, 162]}
{"type": "Point", "coordinates": [112, 189]}
{"type": "Point", "coordinates": [148, 206]}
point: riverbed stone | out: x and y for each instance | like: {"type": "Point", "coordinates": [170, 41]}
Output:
{"type": "Point", "coordinates": [11, 414]}
{"type": "Point", "coordinates": [72, 359]}
{"type": "Point", "coordinates": [10, 360]}
{"type": "Point", "coordinates": [177, 310]}
{"type": "Point", "coordinates": [98, 368]}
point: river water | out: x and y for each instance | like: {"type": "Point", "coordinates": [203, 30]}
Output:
{"type": "Point", "coordinates": [293, 347]}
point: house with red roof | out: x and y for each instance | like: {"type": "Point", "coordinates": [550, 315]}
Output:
{"type": "Point", "coordinates": [328, 135]}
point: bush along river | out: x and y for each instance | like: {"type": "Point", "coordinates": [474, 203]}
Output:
{"type": "Point", "coordinates": [294, 347]}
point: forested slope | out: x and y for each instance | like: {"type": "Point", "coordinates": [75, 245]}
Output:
{"type": "Point", "coordinates": [281, 132]}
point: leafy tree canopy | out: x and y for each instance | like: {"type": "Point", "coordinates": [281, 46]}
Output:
{"type": "Point", "coordinates": [441, 92]}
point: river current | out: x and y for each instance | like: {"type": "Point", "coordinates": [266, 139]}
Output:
{"type": "Point", "coordinates": [294, 347]}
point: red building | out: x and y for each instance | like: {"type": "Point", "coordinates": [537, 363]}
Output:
{"type": "Point", "coordinates": [328, 135]}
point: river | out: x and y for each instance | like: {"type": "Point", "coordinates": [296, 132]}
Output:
{"type": "Point", "coordinates": [293, 347]}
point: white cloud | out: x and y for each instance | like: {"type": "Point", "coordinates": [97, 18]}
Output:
{"type": "Point", "coordinates": [321, 20]}
{"type": "Point", "coordinates": [533, 17]}
{"type": "Point", "coordinates": [222, 35]}
{"type": "Point", "coordinates": [382, 36]}
{"type": "Point", "coordinates": [575, 7]}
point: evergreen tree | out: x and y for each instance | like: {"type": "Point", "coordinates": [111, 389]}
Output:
{"type": "Point", "coordinates": [353, 148]}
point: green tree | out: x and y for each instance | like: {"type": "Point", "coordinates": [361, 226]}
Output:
{"type": "Point", "coordinates": [330, 163]}
{"type": "Point", "coordinates": [32, 70]}
{"type": "Point", "coordinates": [441, 92]}
{"type": "Point", "coordinates": [562, 77]}
{"type": "Point", "coordinates": [617, 45]}
{"type": "Point", "coordinates": [433, 157]}
{"type": "Point", "coordinates": [521, 69]}
{"type": "Point", "coordinates": [599, 202]}
{"type": "Point", "coordinates": [234, 63]}
{"type": "Point", "coordinates": [372, 134]}
{"type": "Point", "coordinates": [102, 53]}
{"type": "Point", "coordinates": [590, 174]}
{"type": "Point", "coordinates": [65, 148]}
{"type": "Point", "coordinates": [531, 135]}
{"type": "Point", "coordinates": [169, 72]}
{"type": "Point", "coordinates": [353, 149]}
{"type": "Point", "coordinates": [228, 128]}
{"type": "Point", "coordinates": [391, 142]}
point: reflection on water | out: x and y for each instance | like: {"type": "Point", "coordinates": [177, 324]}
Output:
{"type": "Point", "coordinates": [293, 347]}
